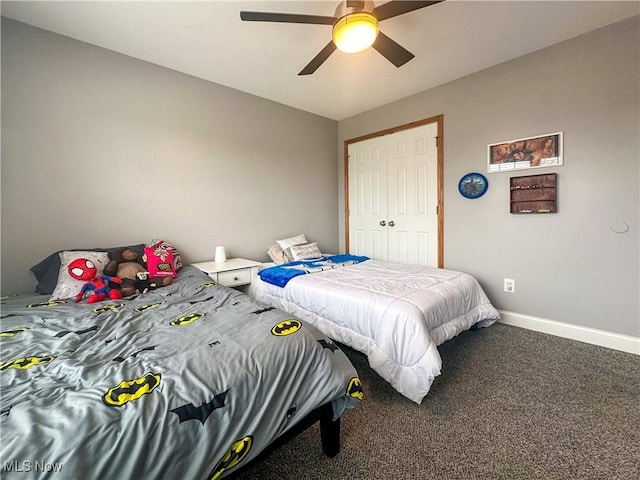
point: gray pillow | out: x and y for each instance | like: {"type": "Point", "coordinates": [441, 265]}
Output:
{"type": "Point", "coordinates": [47, 270]}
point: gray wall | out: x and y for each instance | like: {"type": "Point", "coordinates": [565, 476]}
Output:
{"type": "Point", "coordinates": [569, 267]}
{"type": "Point", "coordinates": [100, 149]}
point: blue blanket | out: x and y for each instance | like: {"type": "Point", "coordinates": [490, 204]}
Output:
{"type": "Point", "coordinates": [281, 274]}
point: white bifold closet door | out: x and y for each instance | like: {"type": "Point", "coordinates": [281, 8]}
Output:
{"type": "Point", "coordinates": [393, 197]}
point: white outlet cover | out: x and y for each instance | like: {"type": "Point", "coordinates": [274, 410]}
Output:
{"type": "Point", "coordinates": [509, 285]}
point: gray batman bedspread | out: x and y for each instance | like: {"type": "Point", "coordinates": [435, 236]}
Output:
{"type": "Point", "coordinates": [191, 381]}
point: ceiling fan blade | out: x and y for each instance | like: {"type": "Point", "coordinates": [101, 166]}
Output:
{"type": "Point", "coordinates": [395, 8]}
{"type": "Point", "coordinates": [286, 18]}
{"type": "Point", "coordinates": [392, 51]}
{"type": "Point", "coordinates": [319, 59]}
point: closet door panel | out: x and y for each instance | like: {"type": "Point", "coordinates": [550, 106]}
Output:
{"type": "Point", "coordinates": [368, 199]}
{"type": "Point", "coordinates": [393, 195]}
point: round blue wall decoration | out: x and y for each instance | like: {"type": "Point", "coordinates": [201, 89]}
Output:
{"type": "Point", "coordinates": [473, 185]}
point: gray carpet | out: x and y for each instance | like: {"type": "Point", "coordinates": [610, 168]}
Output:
{"type": "Point", "coordinates": [510, 404]}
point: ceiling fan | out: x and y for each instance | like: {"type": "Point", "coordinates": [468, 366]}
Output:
{"type": "Point", "coordinates": [355, 28]}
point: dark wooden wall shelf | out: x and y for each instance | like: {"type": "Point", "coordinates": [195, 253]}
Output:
{"type": "Point", "coordinates": [534, 194]}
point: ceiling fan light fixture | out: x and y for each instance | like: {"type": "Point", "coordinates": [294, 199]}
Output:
{"type": "Point", "coordinates": [355, 32]}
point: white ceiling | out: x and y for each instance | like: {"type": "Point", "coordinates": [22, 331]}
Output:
{"type": "Point", "coordinates": [208, 40]}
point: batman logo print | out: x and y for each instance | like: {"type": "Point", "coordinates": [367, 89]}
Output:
{"type": "Point", "coordinates": [186, 319]}
{"type": "Point", "coordinates": [134, 355]}
{"type": "Point", "coordinates": [50, 303]}
{"type": "Point", "coordinates": [201, 301]}
{"type": "Point", "coordinates": [142, 308]}
{"type": "Point", "coordinates": [262, 310]}
{"type": "Point", "coordinates": [26, 362]}
{"type": "Point", "coordinates": [13, 332]}
{"type": "Point", "coordinates": [95, 328]}
{"type": "Point", "coordinates": [328, 344]}
{"type": "Point", "coordinates": [107, 308]}
{"type": "Point", "coordinates": [238, 451]}
{"type": "Point", "coordinates": [286, 328]}
{"type": "Point", "coordinates": [207, 285]}
{"type": "Point", "coordinates": [130, 390]}
{"type": "Point", "coordinates": [355, 388]}
{"type": "Point", "coordinates": [201, 413]}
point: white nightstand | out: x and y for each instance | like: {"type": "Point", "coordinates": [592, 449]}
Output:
{"type": "Point", "coordinates": [235, 272]}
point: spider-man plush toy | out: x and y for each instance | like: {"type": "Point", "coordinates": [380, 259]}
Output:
{"type": "Point", "coordinates": [84, 269]}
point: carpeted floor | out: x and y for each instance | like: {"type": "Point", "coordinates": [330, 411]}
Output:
{"type": "Point", "coordinates": [510, 404]}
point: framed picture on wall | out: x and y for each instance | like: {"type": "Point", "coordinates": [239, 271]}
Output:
{"type": "Point", "coordinates": [530, 152]}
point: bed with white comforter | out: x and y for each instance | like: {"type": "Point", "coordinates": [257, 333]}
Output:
{"type": "Point", "coordinates": [395, 314]}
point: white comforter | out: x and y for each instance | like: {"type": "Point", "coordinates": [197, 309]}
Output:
{"type": "Point", "coordinates": [395, 314]}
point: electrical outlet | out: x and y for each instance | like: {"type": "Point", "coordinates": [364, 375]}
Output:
{"type": "Point", "coordinates": [509, 285]}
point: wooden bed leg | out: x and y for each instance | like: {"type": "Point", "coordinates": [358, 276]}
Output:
{"type": "Point", "coordinates": [329, 431]}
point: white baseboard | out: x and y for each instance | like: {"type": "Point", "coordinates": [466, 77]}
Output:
{"type": "Point", "coordinates": [616, 341]}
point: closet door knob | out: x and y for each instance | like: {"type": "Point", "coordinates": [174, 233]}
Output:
{"type": "Point", "coordinates": [383, 223]}
{"type": "Point", "coordinates": [392, 223]}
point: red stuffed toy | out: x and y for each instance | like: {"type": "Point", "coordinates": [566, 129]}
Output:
{"type": "Point", "coordinates": [84, 269]}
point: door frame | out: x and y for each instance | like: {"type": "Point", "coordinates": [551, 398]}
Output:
{"type": "Point", "coordinates": [439, 120]}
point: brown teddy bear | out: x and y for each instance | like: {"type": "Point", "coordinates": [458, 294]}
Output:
{"type": "Point", "coordinates": [126, 264]}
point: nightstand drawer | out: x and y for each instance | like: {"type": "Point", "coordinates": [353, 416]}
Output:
{"type": "Point", "coordinates": [232, 278]}
{"type": "Point", "coordinates": [235, 272]}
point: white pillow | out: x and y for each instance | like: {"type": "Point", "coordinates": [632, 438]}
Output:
{"type": "Point", "coordinates": [276, 254]}
{"type": "Point", "coordinates": [67, 286]}
{"type": "Point", "coordinates": [303, 252]}
{"type": "Point", "coordinates": [287, 243]}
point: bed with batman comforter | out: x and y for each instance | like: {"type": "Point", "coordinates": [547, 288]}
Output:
{"type": "Point", "coordinates": [192, 380]}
